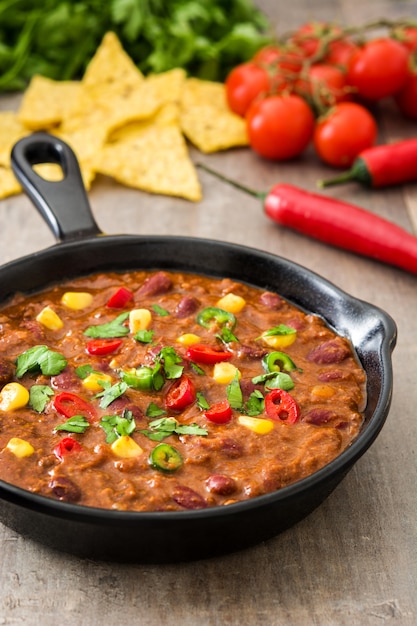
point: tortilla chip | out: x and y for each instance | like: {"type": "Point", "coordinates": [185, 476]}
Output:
{"type": "Point", "coordinates": [11, 130]}
{"type": "Point", "coordinates": [206, 119]}
{"type": "Point", "coordinates": [46, 101]}
{"type": "Point", "coordinates": [152, 157]}
{"type": "Point", "coordinates": [111, 72]}
{"type": "Point", "coordinates": [9, 185]}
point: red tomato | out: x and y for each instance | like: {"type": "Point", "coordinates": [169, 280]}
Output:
{"type": "Point", "coordinates": [407, 36]}
{"type": "Point", "coordinates": [201, 353]}
{"type": "Point", "coordinates": [65, 446]}
{"type": "Point", "coordinates": [378, 69]}
{"type": "Point", "coordinates": [102, 347]}
{"type": "Point", "coordinates": [340, 52]}
{"type": "Point", "coordinates": [219, 413]}
{"type": "Point", "coordinates": [406, 98]}
{"type": "Point", "coordinates": [280, 127]}
{"type": "Point", "coordinates": [308, 37]}
{"type": "Point", "coordinates": [343, 133]}
{"type": "Point", "coordinates": [69, 405]}
{"type": "Point", "coordinates": [326, 84]}
{"type": "Point", "coordinates": [281, 406]}
{"type": "Point", "coordinates": [281, 58]}
{"type": "Point", "coordinates": [181, 394]}
{"type": "Point", "coordinates": [245, 83]}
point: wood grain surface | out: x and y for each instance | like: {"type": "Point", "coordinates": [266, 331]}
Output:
{"type": "Point", "coordinates": [353, 561]}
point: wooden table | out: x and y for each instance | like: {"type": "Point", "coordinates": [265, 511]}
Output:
{"type": "Point", "coordinates": [354, 560]}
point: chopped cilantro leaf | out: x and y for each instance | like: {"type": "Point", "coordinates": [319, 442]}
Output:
{"type": "Point", "coordinates": [115, 328]}
{"type": "Point", "coordinates": [234, 394]}
{"type": "Point", "coordinates": [118, 426]}
{"type": "Point", "coordinates": [39, 397]}
{"type": "Point", "coordinates": [154, 410]}
{"type": "Point", "coordinates": [41, 358]}
{"type": "Point", "coordinates": [75, 424]}
{"type": "Point", "coordinates": [144, 336]}
{"type": "Point", "coordinates": [110, 393]}
{"type": "Point", "coordinates": [160, 311]}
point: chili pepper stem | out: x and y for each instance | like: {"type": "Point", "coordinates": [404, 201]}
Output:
{"type": "Point", "coordinates": [257, 194]}
{"type": "Point", "coordinates": [345, 177]}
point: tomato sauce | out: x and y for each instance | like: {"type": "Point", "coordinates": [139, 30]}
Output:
{"type": "Point", "coordinates": [158, 391]}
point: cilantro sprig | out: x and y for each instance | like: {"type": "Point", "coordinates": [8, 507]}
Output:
{"type": "Point", "coordinates": [114, 328]}
{"type": "Point", "coordinates": [40, 358]}
{"type": "Point", "coordinates": [116, 426]}
{"type": "Point", "coordinates": [163, 427]}
{"type": "Point", "coordinates": [39, 396]}
{"type": "Point", "coordinates": [75, 424]}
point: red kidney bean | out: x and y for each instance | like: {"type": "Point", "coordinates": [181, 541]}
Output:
{"type": "Point", "coordinates": [318, 416]}
{"type": "Point", "coordinates": [188, 498]}
{"type": "Point", "coordinates": [231, 448]}
{"type": "Point", "coordinates": [156, 284]}
{"type": "Point", "coordinates": [221, 485]}
{"type": "Point", "coordinates": [332, 351]}
{"type": "Point", "coordinates": [6, 371]}
{"type": "Point", "coordinates": [250, 352]}
{"type": "Point", "coordinates": [187, 306]}
{"type": "Point", "coordinates": [271, 300]}
{"type": "Point", "coordinates": [329, 375]}
{"type": "Point", "coordinates": [67, 380]}
{"type": "Point", "coordinates": [65, 489]}
{"type": "Point", "coordinates": [35, 328]}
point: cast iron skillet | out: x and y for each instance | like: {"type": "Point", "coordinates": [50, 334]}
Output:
{"type": "Point", "coordinates": [176, 536]}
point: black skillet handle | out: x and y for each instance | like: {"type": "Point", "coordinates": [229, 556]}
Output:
{"type": "Point", "coordinates": [63, 204]}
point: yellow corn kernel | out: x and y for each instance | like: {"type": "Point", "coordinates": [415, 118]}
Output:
{"type": "Point", "coordinates": [20, 447]}
{"type": "Point", "coordinates": [259, 425]}
{"type": "Point", "coordinates": [13, 396]}
{"type": "Point", "coordinates": [231, 303]}
{"type": "Point", "coordinates": [323, 391]}
{"type": "Point", "coordinates": [92, 381]}
{"type": "Point", "coordinates": [279, 341]}
{"type": "Point", "coordinates": [126, 448]}
{"type": "Point", "coordinates": [224, 373]}
{"type": "Point", "coordinates": [76, 299]}
{"type": "Point", "coordinates": [48, 318]}
{"type": "Point", "coordinates": [188, 339]}
{"type": "Point", "coordinates": [139, 319]}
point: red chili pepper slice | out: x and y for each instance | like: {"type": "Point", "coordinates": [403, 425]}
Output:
{"type": "Point", "coordinates": [219, 413]}
{"type": "Point", "coordinates": [69, 404]}
{"type": "Point", "coordinates": [181, 394]}
{"type": "Point", "coordinates": [281, 406]}
{"type": "Point", "coordinates": [65, 446]}
{"type": "Point", "coordinates": [120, 298]}
{"type": "Point", "coordinates": [205, 354]}
{"type": "Point", "coordinates": [102, 347]}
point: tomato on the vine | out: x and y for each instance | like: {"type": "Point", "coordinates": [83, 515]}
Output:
{"type": "Point", "coordinates": [308, 37]}
{"type": "Point", "coordinates": [280, 127]}
{"type": "Point", "coordinates": [378, 69]}
{"type": "Point", "coordinates": [340, 52]}
{"type": "Point", "coordinates": [407, 36]}
{"type": "Point", "coordinates": [346, 130]}
{"type": "Point", "coordinates": [244, 84]}
{"type": "Point", "coordinates": [406, 98]}
{"type": "Point", "coordinates": [326, 84]}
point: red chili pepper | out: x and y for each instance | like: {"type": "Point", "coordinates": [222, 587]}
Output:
{"type": "Point", "coordinates": [120, 298]}
{"type": "Point", "coordinates": [200, 353]}
{"type": "Point", "coordinates": [69, 404]}
{"type": "Point", "coordinates": [102, 347]}
{"type": "Point", "coordinates": [281, 406]}
{"type": "Point", "coordinates": [337, 223]}
{"type": "Point", "coordinates": [382, 166]}
{"type": "Point", "coordinates": [181, 394]}
{"type": "Point", "coordinates": [65, 446]}
{"type": "Point", "coordinates": [219, 413]}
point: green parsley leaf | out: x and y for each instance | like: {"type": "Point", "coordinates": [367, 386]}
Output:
{"type": "Point", "coordinates": [275, 380]}
{"type": "Point", "coordinates": [170, 362]}
{"type": "Point", "coordinates": [39, 397]}
{"type": "Point", "coordinates": [166, 426]}
{"type": "Point", "coordinates": [234, 394]}
{"type": "Point", "coordinates": [154, 410]}
{"type": "Point", "coordinates": [83, 371]}
{"type": "Point", "coordinates": [144, 336]}
{"type": "Point", "coordinates": [190, 429]}
{"type": "Point", "coordinates": [160, 311]}
{"type": "Point", "coordinates": [255, 404]}
{"type": "Point", "coordinates": [111, 393]}
{"type": "Point", "coordinates": [41, 358]}
{"type": "Point", "coordinates": [118, 426]}
{"type": "Point", "coordinates": [115, 328]}
{"type": "Point", "coordinates": [75, 424]}
{"type": "Point", "coordinates": [201, 401]}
